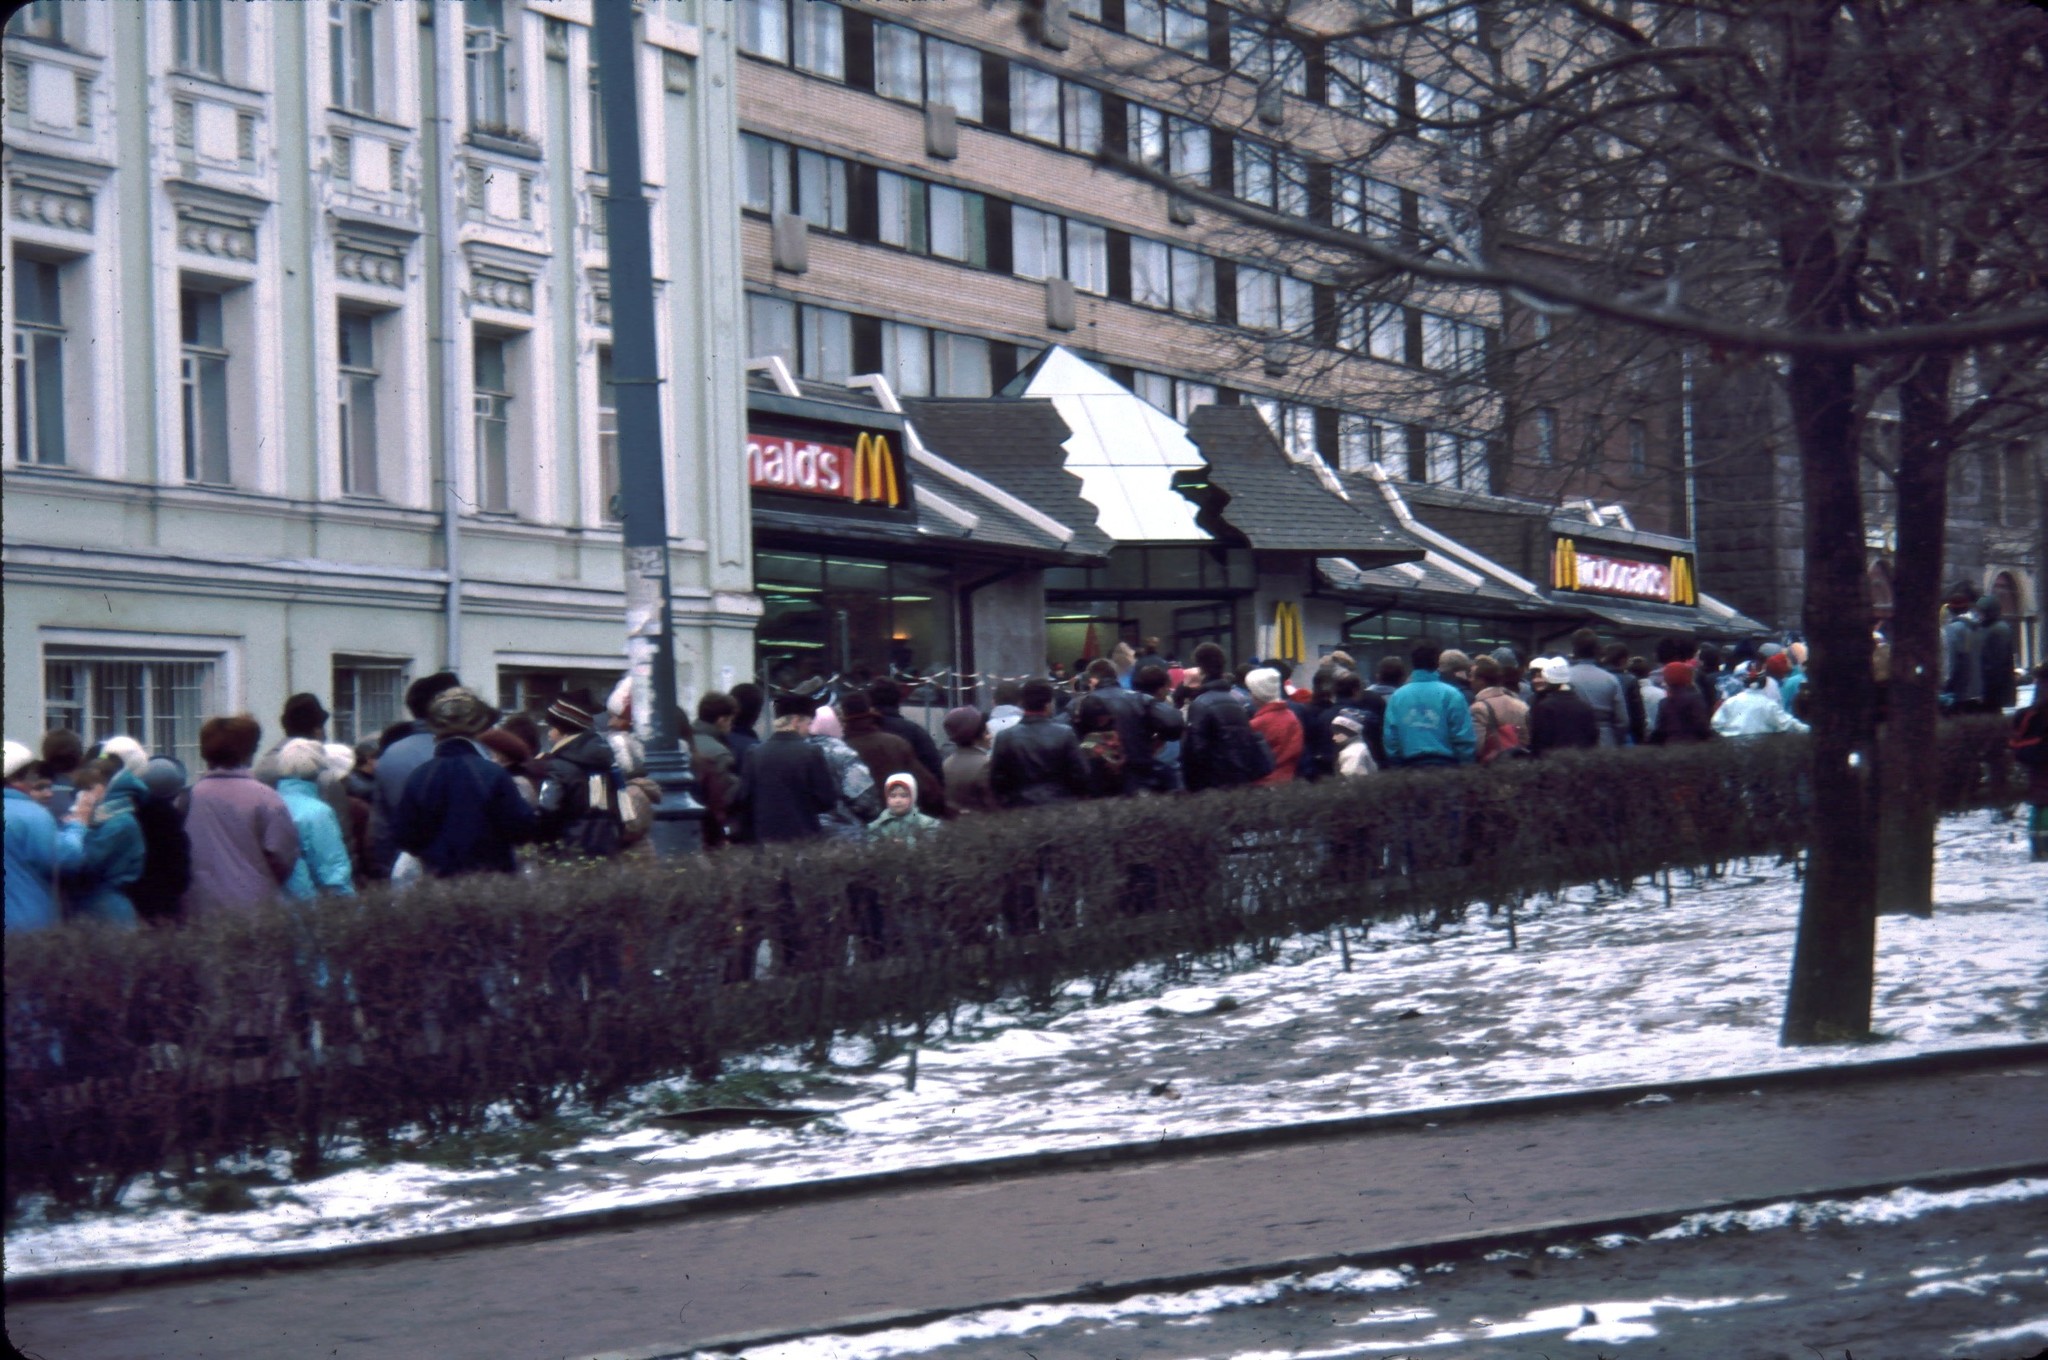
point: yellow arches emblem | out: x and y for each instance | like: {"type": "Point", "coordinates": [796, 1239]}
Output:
{"type": "Point", "coordinates": [1288, 640]}
{"type": "Point", "coordinates": [874, 471]}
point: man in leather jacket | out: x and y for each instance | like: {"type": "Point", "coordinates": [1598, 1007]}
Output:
{"type": "Point", "coordinates": [1038, 761]}
{"type": "Point", "coordinates": [1142, 722]}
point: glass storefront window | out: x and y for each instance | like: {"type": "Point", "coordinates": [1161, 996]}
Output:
{"type": "Point", "coordinates": [827, 614]}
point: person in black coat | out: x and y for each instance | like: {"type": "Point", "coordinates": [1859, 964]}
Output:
{"type": "Point", "coordinates": [1038, 761]}
{"type": "Point", "coordinates": [1683, 718]}
{"type": "Point", "coordinates": [166, 850]}
{"type": "Point", "coordinates": [887, 697]}
{"type": "Point", "coordinates": [1560, 720]}
{"type": "Point", "coordinates": [786, 783]}
{"type": "Point", "coordinates": [1215, 753]}
{"type": "Point", "coordinates": [1142, 724]}
{"type": "Point", "coordinates": [580, 787]}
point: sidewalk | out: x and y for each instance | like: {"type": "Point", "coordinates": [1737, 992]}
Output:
{"type": "Point", "coordinates": [829, 1263]}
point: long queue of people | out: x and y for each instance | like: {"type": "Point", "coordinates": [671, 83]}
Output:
{"type": "Point", "coordinates": [124, 837]}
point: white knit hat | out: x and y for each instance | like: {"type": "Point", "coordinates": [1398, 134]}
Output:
{"type": "Point", "coordinates": [19, 758]}
{"type": "Point", "coordinates": [1557, 672]}
{"type": "Point", "coordinates": [128, 751]}
{"type": "Point", "coordinates": [1263, 684]}
{"type": "Point", "coordinates": [341, 757]}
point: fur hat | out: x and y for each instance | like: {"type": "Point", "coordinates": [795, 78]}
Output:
{"type": "Point", "coordinates": [341, 757]}
{"type": "Point", "coordinates": [1263, 685]}
{"type": "Point", "coordinates": [505, 744]}
{"type": "Point", "coordinates": [128, 751]}
{"type": "Point", "coordinates": [1557, 672]}
{"type": "Point", "coordinates": [301, 758]}
{"type": "Point", "coordinates": [19, 758]}
{"type": "Point", "coordinates": [571, 711]}
{"type": "Point", "coordinates": [1452, 661]}
{"type": "Point", "coordinates": [459, 712]}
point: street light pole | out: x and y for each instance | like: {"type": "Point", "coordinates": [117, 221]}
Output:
{"type": "Point", "coordinates": [650, 635]}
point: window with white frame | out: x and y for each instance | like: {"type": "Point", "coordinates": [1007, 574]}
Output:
{"type": "Point", "coordinates": [1036, 251]}
{"type": "Point", "coordinates": [1270, 177]}
{"type": "Point", "coordinates": [1183, 27]}
{"type": "Point", "coordinates": [820, 39]}
{"type": "Point", "coordinates": [1378, 330]}
{"type": "Point", "coordinates": [1087, 257]}
{"type": "Point", "coordinates": [487, 48]}
{"type": "Point", "coordinates": [352, 54]}
{"type": "Point", "coordinates": [368, 696]}
{"type": "Point", "coordinates": [1274, 302]}
{"type": "Point", "coordinates": [357, 382]}
{"type": "Point", "coordinates": [203, 384]}
{"type": "Point", "coordinates": [782, 178]}
{"type": "Point", "coordinates": [491, 400]}
{"type": "Point", "coordinates": [201, 41]}
{"type": "Point", "coordinates": [159, 699]}
{"type": "Point", "coordinates": [607, 437]}
{"type": "Point", "coordinates": [1368, 206]}
{"type": "Point", "coordinates": [39, 345]}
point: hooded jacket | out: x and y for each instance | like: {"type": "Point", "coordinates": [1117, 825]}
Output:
{"type": "Point", "coordinates": [323, 867]}
{"type": "Point", "coordinates": [1429, 722]}
{"type": "Point", "coordinates": [1277, 723]}
{"type": "Point", "coordinates": [902, 826]}
{"type": "Point", "coordinates": [38, 849]}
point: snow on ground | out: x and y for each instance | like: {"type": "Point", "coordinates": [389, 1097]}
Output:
{"type": "Point", "coordinates": [1616, 1320]}
{"type": "Point", "coordinates": [1600, 992]}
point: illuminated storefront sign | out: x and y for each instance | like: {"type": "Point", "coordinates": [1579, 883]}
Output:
{"type": "Point", "coordinates": [865, 472]}
{"type": "Point", "coordinates": [1670, 582]}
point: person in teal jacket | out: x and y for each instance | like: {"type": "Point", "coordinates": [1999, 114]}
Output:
{"type": "Point", "coordinates": [1428, 722]}
{"type": "Point", "coordinates": [323, 869]}
{"type": "Point", "coordinates": [113, 855]}
{"type": "Point", "coordinates": [37, 847]}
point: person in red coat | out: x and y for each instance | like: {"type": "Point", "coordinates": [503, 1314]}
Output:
{"type": "Point", "coordinates": [1275, 721]}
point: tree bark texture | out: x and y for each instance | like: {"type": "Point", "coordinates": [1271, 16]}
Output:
{"type": "Point", "coordinates": [1907, 795]}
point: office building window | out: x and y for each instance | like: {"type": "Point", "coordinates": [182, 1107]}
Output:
{"type": "Point", "coordinates": [368, 696]}
{"type": "Point", "coordinates": [486, 44]}
{"type": "Point", "coordinates": [1151, 273]}
{"type": "Point", "coordinates": [907, 359]}
{"type": "Point", "coordinates": [1088, 257]}
{"type": "Point", "coordinates": [1267, 57]}
{"type": "Point", "coordinates": [1543, 423]}
{"type": "Point", "coordinates": [772, 328]}
{"type": "Point", "coordinates": [827, 344]}
{"type": "Point", "coordinates": [1081, 110]}
{"type": "Point", "coordinates": [1179, 146]}
{"type": "Point", "coordinates": [607, 437]}
{"type": "Point", "coordinates": [492, 403]}
{"type": "Point", "coordinates": [1035, 244]}
{"type": "Point", "coordinates": [1456, 459]}
{"type": "Point", "coordinates": [1270, 177]}
{"type": "Point", "coordinates": [600, 154]}
{"type": "Point", "coordinates": [782, 178]}
{"type": "Point", "coordinates": [352, 54]}
{"type": "Point", "coordinates": [1034, 104]}
{"type": "Point", "coordinates": [899, 63]}
{"type": "Point", "coordinates": [1448, 121]}
{"type": "Point", "coordinates": [202, 37]}
{"type": "Point", "coordinates": [1185, 28]}
{"type": "Point", "coordinates": [953, 76]}
{"type": "Point", "coordinates": [42, 20]}
{"type": "Point", "coordinates": [159, 700]}
{"type": "Point", "coordinates": [1362, 86]}
{"type": "Point", "coordinates": [960, 365]}
{"type": "Point", "coordinates": [821, 190]}
{"type": "Point", "coordinates": [1270, 301]}
{"type": "Point", "coordinates": [1376, 329]}
{"type": "Point", "coordinates": [357, 383]}
{"type": "Point", "coordinates": [203, 375]}
{"type": "Point", "coordinates": [900, 211]}
{"type": "Point", "coordinates": [39, 341]}
{"type": "Point", "coordinates": [1194, 283]}
{"type": "Point", "coordinates": [1363, 440]}
{"type": "Point", "coordinates": [820, 46]}
{"type": "Point", "coordinates": [1452, 346]}
{"type": "Point", "coordinates": [958, 225]}
{"type": "Point", "coordinates": [1365, 205]}
{"type": "Point", "coordinates": [764, 28]}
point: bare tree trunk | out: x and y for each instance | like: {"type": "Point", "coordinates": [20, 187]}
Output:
{"type": "Point", "coordinates": [1907, 810]}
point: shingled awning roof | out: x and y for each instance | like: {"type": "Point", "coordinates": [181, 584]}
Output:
{"type": "Point", "coordinates": [1281, 505]}
{"type": "Point", "coordinates": [1019, 447]}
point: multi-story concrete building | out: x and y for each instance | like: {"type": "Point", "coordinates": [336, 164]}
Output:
{"type": "Point", "coordinates": [308, 315]}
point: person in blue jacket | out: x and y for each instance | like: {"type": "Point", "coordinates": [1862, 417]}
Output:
{"type": "Point", "coordinates": [1428, 722]}
{"type": "Point", "coordinates": [37, 848]}
{"type": "Point", "coordinates": [323, 869]}
{"type": "Point", "coordinates": [113, 854]}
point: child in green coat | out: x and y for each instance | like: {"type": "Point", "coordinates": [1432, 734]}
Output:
{"type": "Point", "coordinates": [902, 820]}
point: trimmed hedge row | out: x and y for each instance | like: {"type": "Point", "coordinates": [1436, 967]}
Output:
{"type": "Point", "coordinates": [128, 1053]}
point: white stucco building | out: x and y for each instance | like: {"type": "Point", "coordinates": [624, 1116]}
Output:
{"type": "Point", "coordinates": [308, 321]}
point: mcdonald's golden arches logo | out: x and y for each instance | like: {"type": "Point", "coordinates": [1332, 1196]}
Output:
{"type": "Point", "coordinates": [1288, 641]}
{"type": "Point", "coordinates": [874, 471]}
{"type": "Point", "coordinates": [1564, 566]}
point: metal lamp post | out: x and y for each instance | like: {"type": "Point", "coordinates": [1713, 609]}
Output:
{"type": "Point", "coordinates": [650, 640]}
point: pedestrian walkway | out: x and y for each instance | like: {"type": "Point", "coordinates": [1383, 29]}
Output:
{"type": "Point", "coordinates": [829, 1263]}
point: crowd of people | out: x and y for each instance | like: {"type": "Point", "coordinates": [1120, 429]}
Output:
{"type": "Point", "coordinates": [121, 836]}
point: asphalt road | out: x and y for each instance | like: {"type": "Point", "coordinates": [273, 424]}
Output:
{"type": "Point", "coordinates": [816, 1265]}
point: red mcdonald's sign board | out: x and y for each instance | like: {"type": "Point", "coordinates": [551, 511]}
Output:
{"type": "Point", "coordinates": [864, 473]}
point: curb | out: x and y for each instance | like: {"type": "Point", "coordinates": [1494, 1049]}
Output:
{"type": "Point", "coordinates": [92, 1281]}
{"type": "Point", "coordinates": [1421, 1254]}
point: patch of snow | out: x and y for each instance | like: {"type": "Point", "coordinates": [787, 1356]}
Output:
{"type": "Point", "coordinates": [1895, 1207]}
{"type": "Point", "coordinates": [1613, 1321]}
{"type": "Point", "coordinates": [2023, 1331]}
{"type": "Point", "coordinates": [1423, 1019]}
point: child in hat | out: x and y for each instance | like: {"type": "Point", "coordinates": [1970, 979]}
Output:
{"type": "Point", "coordinates": [901, 820]}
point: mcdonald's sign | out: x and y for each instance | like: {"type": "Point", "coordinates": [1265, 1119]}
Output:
{"type": "Point", "coordinates": [1287, 633]}
{"type": "Point", "coordinates": [1596, 574]}
{"type": "Point", "coordinates": [865, 472]}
